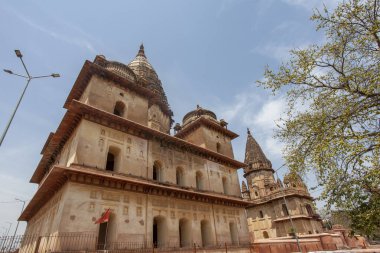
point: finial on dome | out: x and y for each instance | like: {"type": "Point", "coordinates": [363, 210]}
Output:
{"type": "Point", "coordinates": [248, 132]}
{"type": "Point", "coordinates": [141, 51]}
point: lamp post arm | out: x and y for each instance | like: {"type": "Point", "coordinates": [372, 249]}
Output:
{"type": "Point", "coordinates": [35, 77]}
{"type": "Point", "coordinates": [14, 112]}
{"type": "Point", "coordinates": [23, 64]}
{"type": "Point", "coordinates": [20, 75]}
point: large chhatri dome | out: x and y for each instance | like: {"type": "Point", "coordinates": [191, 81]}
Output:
{"type": "Point", "coordinates": [140, 71]}
{"type": "Point", "coordinates": [147, 75]}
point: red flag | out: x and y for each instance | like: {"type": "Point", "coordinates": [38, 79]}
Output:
{"type": "Point", "coordinates": [105, 217]}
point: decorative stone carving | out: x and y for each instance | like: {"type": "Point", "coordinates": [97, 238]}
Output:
{"type": "Point", "coordinates": [110, 196]}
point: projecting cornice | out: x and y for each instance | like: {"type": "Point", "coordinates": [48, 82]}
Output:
{"type": "Point", "coordinates": [208, 123]}
{"type": "Point", "coordinates": [78, 110]}
{"type": "Point", "coordinates": [90, 69]}
{"type": "Point", "coordinates": [279, 195]}
{"type": "Point", "coordinates": [58, 176]}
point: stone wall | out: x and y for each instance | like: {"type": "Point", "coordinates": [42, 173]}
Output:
{"type": "Point", "coordinates": [133, 214]}
{"type": "Point", "coordinates": [136, 156]}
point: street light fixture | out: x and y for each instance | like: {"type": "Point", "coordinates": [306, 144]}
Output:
{"type": "Point", "coordinates": [29, 78]}
{"type": "Point", "coordinates": [18, 53]}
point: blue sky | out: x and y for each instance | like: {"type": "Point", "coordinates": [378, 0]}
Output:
{"type": "Point", "coordinates": [205, 52]}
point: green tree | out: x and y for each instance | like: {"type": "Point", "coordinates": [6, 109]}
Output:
{"type": "Point", "coordinates": [332, 125]}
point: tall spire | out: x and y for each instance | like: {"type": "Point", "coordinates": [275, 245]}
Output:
{"type": "Point", "coordinates": [254, 155]}
{"type": "Point", "coordinates": [148, 76]}
{"type": "Point", "coordinates": [141, 51]}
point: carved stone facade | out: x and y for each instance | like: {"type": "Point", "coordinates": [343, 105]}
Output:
{"type": "Point", "coordinates": [275, 205]}
{"type": "Point", "coordinates": [113, 150]}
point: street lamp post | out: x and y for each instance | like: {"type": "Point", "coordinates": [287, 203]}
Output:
{"type": "Point", "coordinates": [5, 230]}
{"type": "Point", "coordinates": [290, 216]}
{"type": "Point", "coordinates": [9, 228]}
{"type": "Point", "coordinates": [22, 209]}
{"type": "Point", "coordinates": [18, 222]}
{"type": "Point", "coordinates": [29, 78]}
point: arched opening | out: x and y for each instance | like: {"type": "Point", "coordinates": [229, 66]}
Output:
{"type": "Point", "coordinates": [110, 164]}
{"type": "Point", "coordinates": [112, 159]}
{"type": "Point", "coordinates": [206, 233]}
{"type": "Point", "coordinates": [218, 147]}
{"type": "Point", "coordinates": [265, 234]}
{"type": "Point", "coordinates": [234, 234]}
{"type": "Point", "coordinates": [285, 210]}
{"type": "Point", "coordinates": [159, 231]}
{"type": "Point", "coordinates": [309, 210]}
{"type": "Point", "coordinates": [199, 180]}
{"type": "Point", "coordinates": [102, 236]}
{"type": "Point", "coordinates": [104, 233]}
{"type": "Point", "coordinates": [179, 177]}
{"type": "Point", "coordinates": [225, 185]}
{"type": "Point", "coordinates": [119, 109]}
{"type": "Point", "coordinates": [184, 230]}
{"type": "Point", "coordinates": [261, 214]}
{"type": "Point", "coordinates": [157, 172]}
{"type": "Point", "coordinates": [256, 194]}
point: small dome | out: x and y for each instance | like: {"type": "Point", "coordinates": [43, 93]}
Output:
{"type": "Point", "coordinates": [193, 115]}
{"type": "Point", "coordinates": [145, 72]}
{"type": "Point", "coordinates": [121, 70]}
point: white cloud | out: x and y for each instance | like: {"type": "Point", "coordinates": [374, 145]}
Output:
{"type": "Point", "coordinates": [311, 4]}
{"type": "Point", "coordinates": [275, 51]}
{"type": "Point", "coordinates": [249, 109]}
{"type": "Point", "coordinates": [270, 113]}
{"type": "Point", "coordinates": [70, 39]}
{"type": "Point", "coordinates": [274, 146]}
{"type": "Point", "coordinates": [279, 51]}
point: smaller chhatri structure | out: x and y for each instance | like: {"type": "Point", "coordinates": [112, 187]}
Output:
{"type": "Point", "coordinates": [268, 215]}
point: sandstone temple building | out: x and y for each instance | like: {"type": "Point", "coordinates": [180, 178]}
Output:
{"type": "Point", "coordinates": [275, 205]}
{"type": "Point", "coordinates": [113, 150]}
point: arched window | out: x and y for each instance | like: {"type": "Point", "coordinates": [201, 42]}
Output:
{"type": "Point", "coordinates": [218, 147]}
{"type": "Point", "coordinates": [206, 233]}
{"type": "Point", "coordinates": [159, 231]}
{"type": "Point", "coordinates": [103, 236]}
{"type": "Point", "coordinates": [265, 234]}
{"type": "Point", "coordinates": [261, 214]}
{"type": "Point", "coordinates": [309, 210]}
{"type": "Point", "coordinates": [112, 159]}
{"type": "Point", "coordinates": [157, 171]}
{"type": "Point", "coordinates": [285, 210]}
{"type": "Point", "coordinates": [199, 180]}
{"type": "Point", "coordinates": [225, 185]}
{"type": "Point", "coordinates": [179, 176]}
{"type": "Point", "coordinates": [119, 109]}
{"type": "Point", "coordinates": [184, 229]}
{"type": "Point", "coordinates": [110, 164]}
{"type": "Point", "coordinates": [256, 194]}
{"type": "Point", "coordinates": [234, 234]}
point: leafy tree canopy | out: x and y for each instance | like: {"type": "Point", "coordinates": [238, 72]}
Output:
{"type": "Point", "coordinates": [332, 125]}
